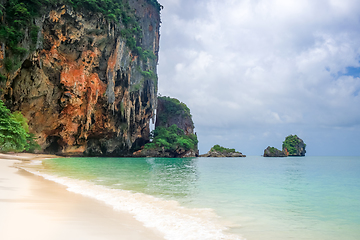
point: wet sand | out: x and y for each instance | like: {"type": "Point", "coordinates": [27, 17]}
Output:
{"type": "Point", "coordinates": [34, 208]}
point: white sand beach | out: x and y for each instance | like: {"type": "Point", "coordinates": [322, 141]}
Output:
{"type": "Point", "coordinates": [34, 208]}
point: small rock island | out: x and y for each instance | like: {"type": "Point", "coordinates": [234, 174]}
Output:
{"type": "Point", "coordinates": [174, 135]}
{"type": "Point", "coordinates": [273, 152]}
{"type": "Point", "coordinates": [219, 151]}
{"type": "Point", "coordinates": [292, 146]}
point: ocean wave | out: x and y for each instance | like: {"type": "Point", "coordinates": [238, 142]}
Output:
{"type": "Point", "coordinates": [167, 216]}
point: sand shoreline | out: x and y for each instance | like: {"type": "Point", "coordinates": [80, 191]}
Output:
{"type": "Point", "coordinates": [35, 208]}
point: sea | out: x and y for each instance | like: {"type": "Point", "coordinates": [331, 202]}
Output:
{"type": "Point", "coordinates": [253, 198]}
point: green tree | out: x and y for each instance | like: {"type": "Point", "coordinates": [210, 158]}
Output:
{"type": "Point", "coordinates": [14, 132]}
{"type": "Point", "coordinates": [172, 107]}
{"type": "Point", "coordinates": [172, 139]}
{"type": "Point", "coordinates": [221, 149]}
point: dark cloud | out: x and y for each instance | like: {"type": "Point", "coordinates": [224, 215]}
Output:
{"type": "Point", "coordinates": [253, 72]}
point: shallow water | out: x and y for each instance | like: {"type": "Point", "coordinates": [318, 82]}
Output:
{"type": "Point", "coordinates": [254, 197]}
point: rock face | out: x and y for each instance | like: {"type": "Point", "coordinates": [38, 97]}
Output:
{"type": "Point", "coordinates": [273, 152]}
{"type": "Point", "coordinates": [83, 89]}
{"type": "Point", "coordinates": [294, 146]}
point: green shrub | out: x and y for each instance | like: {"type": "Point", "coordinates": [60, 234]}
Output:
{"type": "Point", "coordinates": [172, 107]}
{"type": "Point", "coordinates": [34, 30]}
{"type": "Point", "coordinates": [8, 64]}
{"type": "Point", "coordinates": [172, 139]}
{"type": "Point", "coordinates": [147, 54]}
{"type": "Point", "coordinates": [20, 51]}
{"type": "Point", "coordinates": [2, 78]}
{"type": "Point", "coordinates": [273, 150]}
{"type": "Point", "coordinates": [221, 149]}
{"type": "Point", "coordinates": [14, 132]}
{"type": "Point", "coordinates": [135, 87]}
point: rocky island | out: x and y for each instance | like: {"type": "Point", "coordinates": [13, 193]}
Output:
{"type": "Point", "coordinates": [219, 151]}
{"type": "Point", "coordinates": [273, 152]}
{"type": "Point", "coordinates": [292, 146]}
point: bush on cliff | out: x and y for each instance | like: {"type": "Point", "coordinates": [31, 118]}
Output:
{"type": "Point", "coordinates": [172, 139]}
{"type": "Point", "coordinates": [14, 132]}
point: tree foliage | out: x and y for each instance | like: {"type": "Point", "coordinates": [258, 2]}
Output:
{"type": "Point", "coordinates": [172, 139]}
{"type": "Point", "coordinates": [14, 132]}
{"type": "Point", "coordinates": [172, 107]}
{"type": "Point", "coordinates": [274, 150]}
{"type": "Point", "coordinates": [221, 149]}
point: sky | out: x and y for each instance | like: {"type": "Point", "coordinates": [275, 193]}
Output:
{"type": "Point", "coordinates": [255, 71]}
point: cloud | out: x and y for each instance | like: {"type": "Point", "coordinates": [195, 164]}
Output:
{"type": "Point", "coordinates": [252, 71]}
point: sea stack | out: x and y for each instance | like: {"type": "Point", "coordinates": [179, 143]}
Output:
{"type": "Point", "coordinates": [294, 146]}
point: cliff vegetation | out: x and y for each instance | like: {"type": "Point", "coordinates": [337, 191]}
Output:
{"type": "Point", "coordinates": [172, 139]}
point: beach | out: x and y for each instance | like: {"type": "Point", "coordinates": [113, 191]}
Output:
{"type": "Point", "coordinates": [253, 198]}
{"type": "Point", "coordinates": [35, 208]}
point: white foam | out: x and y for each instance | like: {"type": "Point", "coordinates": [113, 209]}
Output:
{"type": "Point", "coordinates": [174, 221]}
{"type": "Point", "coordinates": [35, 162]}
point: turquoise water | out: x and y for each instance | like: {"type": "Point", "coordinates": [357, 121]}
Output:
{"type": "Point", "coordinates": [254, 197]}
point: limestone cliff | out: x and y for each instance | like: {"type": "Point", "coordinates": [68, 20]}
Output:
{"type": "Point", "coordinates": [171, 111]}
{"type": "Point", "coordinates": [88, 83]}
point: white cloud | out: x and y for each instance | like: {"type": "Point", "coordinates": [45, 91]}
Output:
{"type": "Point", "coordinates": [249, 67]}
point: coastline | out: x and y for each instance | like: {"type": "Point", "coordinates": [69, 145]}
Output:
{"type": "Point", "coordinates": [35, 208]}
